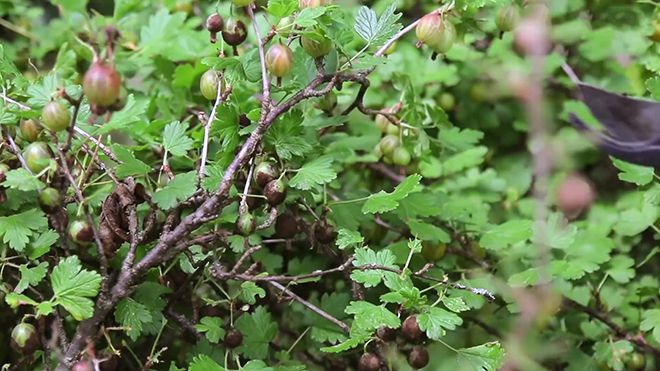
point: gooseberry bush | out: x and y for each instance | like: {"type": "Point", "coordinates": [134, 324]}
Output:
{"type": "Point", "coordinates": [293, 185]}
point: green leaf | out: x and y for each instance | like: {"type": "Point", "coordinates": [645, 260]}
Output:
{"type": "Point", "coordinates": [40, 94]}
{"type": "Point", "coordinates": [506, 234]}
{"type": "Point", "coordinates": [455, 304]}
{"type": "Point", "coordinates": [202, 362]}
{"type": "Point", "coordinates": [132, 315]}
{"type": "Point", "coordinates": [127, 116]}
{"type": "Point", "coordinates": [287, 137]}
{"type": "Point", "coordinates": [621, 270]}
{"type": "Point", "coordinates": [434, 321]}
{"type": "Point", "coordinates": [366, 256]}
{"type": "Point", "coordinates": [464, 160]}
{"type": "Point", "coordinates": [71, 5]}
{"type": "Point", "coordinates": [18, 228]}
{"type": "Point", "coordinates": [368, 317]}
{"type": "Point", "coordinates": [22, 180]}
{"type": "Point", "coordinates": [316, 172]}
{"type": "Point", "coordinates": [347, 238]}
{"type": "Point", "coordinates": [250, 291]}
{"type": "Point", "coordinates": [612, 352]}
{"type": "Point", "coordinates": [212, 328]}
{"type": "Point", "coordinates": [324, 330]}
{"type": "Point", "coordinates": [14, 300]}
{"type": "Point", "coordinates": [650, 322]}
{"type": "Point", "coordinates": [486, 357]}
{"type": "Point", "coordinates": [177, 190]}
{"type": "Point", "coordinates": [41, 245]}
{"type": "Point", "coordinates": [72, 286]}
{"type": "Point", "coordinates": [130, 165]}
{"type": "Point", "coordinates": [175, 140]}
{"type": "Point", "coordinates": [631, 173]}
{"type": "Point", "coordinates": [375, 31]}
{"type": "Point", "coordinates": [258, 331]}
{"type": "Point", "coordinates": [282, 8]}
{"type": "Point", "coordinates": [383, 201]}
{"type": "Point", "coordinates": [425, 231]}
{"type": "Point", "coordinates": [30, 276]}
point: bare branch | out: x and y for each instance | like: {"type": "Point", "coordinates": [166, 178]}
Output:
{"type": "Point", "coordinates": [311, 306]}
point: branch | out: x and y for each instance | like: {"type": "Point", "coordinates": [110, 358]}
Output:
{"type": "Point", "coordinates": [262, 59]}
{"type": "Point", "coordinates": [638, 339]}
{"type": "Point", "coordinates": [311, 306]}
{"type": "Point", "coordinates": [219, 98]}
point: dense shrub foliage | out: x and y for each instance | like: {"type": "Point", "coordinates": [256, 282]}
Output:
{"type": "Point", "coordinates": [292, 185]}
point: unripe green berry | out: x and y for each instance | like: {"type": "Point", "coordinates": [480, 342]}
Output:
{"type": "Point", "coordinates": [285, 26]}
{"type": "Point", "coordinates": [389, 143]}
{"type": "Point", "coordinates": [245, 224]}
{"type": "Point", "coordinates": [279, 60]}
{"type": "Point", "coordinates": [56, 117]}
{"type": "Point", "coordinates": [24, 338]}
{"type": "Point", "coordinates": [401, 156]}
{"type": "Point", "coordinates": [507, 17]}
{"type": "Point", "coordinates": [30, 130]}
{"type": "Point", "coordinates": [37, 156]}
{"type": "Point", "coordinates": [433, 252]}
{"type": "Point", "coordinates": [316, 47]}
{"type": "Point", "coordinates": [208, 84]}
{"type": "Point", "coordinates": [50, 199]}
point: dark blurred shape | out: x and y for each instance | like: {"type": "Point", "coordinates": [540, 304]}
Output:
{"type": "Point", "coordinates": [632, 126]}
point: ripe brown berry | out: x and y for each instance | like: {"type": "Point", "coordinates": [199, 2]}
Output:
{"type": "Point", "coordinates": [81, 232]}
{"type": "Point", "coordinates": [214, 23]}
{"type": "Point", "coordinates": [24, 338]}
{"type": "Point", "coordinates": [82, 365]}
{"type": "Point", "coordinates": [411, 331]}
{"type": "Point", "coordinates": [574, 195]}
{"type": "Point", "coordinates": [265, 172]}
{"type": "Point", "coordinates": [3, 172]}
{"type": "Point", "coordinates": [386, 333]}
{"type": "Point", "coordinates": [243, 120]}
{"type": "Point", "coordinates": [275, 192]}
{"type": "Point", "coordinates": [279, 60]}
{"type": "Point", "coordinates": [233, 338]}
{"type": "Point", "coordinates": [234, 32]}
{"type": "Point", "coordinates": [369, 362]}
{"type": "Point", "coordinates": [418, 357]}
{"type": "Point", "coordinates": [286, 226]}
{"type": "Point", "coordinates": [30, 130]}
{"type": "Point", "coordinates": [324, 232]}
{"type": "Point", "coordinates": [55, 116]}
{"type": "Point", "coordinates": [101, 84]}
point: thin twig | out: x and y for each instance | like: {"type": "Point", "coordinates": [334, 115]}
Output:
{"type": "Point", "coordinates": [262, 60]}
{"type": "Point", "coordinates": [219, 98]}
{"type": "Point", "coordinates": [311, 306]}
